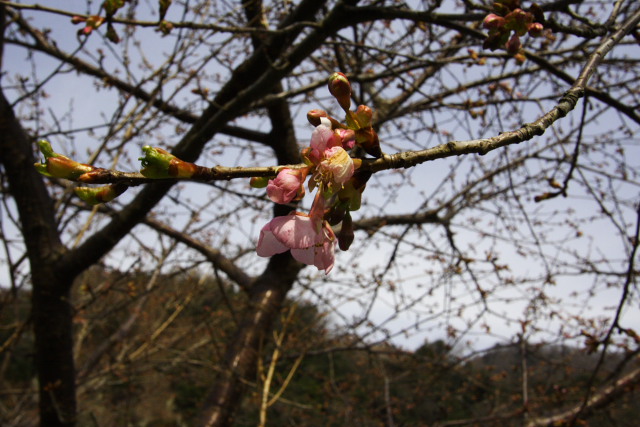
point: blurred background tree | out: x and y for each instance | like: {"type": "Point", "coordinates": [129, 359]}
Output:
{"type": "Point", "coordinates": [492, 278]}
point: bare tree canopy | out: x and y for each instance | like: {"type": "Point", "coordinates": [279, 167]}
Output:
{"type": "Point", "coordinates": [278, 212]}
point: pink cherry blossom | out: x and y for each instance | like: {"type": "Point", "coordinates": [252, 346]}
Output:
{"type": "Point", "coordinates": [337, 166]}
{"type": "Point", "coordinates": [322, 138]}
{"type": "Point", "coordinates": [287, 186]}
{"type": "Point", "coordinates": [310, 241]}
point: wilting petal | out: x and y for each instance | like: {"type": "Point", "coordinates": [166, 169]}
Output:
{"type": "Point", "coordinates": [337, 165]}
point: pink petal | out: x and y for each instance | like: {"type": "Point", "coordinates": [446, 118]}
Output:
{"type": "Point", "coordinates": [305, 256]}
{"type": "Point", "coordinates": [324, 256]}
{"type": "Point", "coordinates": [268, 245]}
{"type": "Point", "coordinates": [295, 231]}
{"type": "Point", "coordinates": [320, 139]}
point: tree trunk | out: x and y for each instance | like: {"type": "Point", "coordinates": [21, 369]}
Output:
{"type": "Point", "coordinates": [51, 308]}
{"type": "Point", "coordinates": [266, 298]}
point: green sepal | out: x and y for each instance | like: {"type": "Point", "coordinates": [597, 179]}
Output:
{"type": "Point", "coordinates": [259, 182]}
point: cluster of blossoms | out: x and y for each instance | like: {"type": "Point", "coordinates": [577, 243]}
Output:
{"type": "Point", "coordinates": [510, 18]}
{"type": "Point", "coordinates": [333, 171]}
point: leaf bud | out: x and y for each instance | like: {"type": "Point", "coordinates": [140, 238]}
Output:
{"type": "Point", "coordinates": [158, 163]}
{"type": "Point", "coordinates": [98, 195]}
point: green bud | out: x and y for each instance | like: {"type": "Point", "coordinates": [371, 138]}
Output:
{"type": "Point", "coordinates": [59, 166]}
{"type": "Point", "coordinates": [46, 149]}
{"type": "Point", "coordinates": [259, 182]}
{"type": "Point", "coordinates": [155, 163]}
{"type": "Point", "coordinates": [98, 195]}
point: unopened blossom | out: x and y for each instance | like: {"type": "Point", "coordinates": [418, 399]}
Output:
{"type": "Point", "coordinates": [287, 186]}
{"type": "Point", "coordinates": [311, 241]}
{"type": "Point", "coordinates": [340, 88]}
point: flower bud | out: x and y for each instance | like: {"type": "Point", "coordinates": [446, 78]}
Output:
{"type": "Point", "coordinates": [165, 27]}
{"type": "Point", "coordinates": [314, 116]}
{"type": "Point", "coordinates": [346, 235]}
{"type": "Point", "coordinates": [335, 215]}
{"type": "Point", "coordinates": [363, 116]}
{"type": "Point", "coordinates": [492, 21]}
{"type": "Point", "coordinates": [513, 45]}
{"type": "Point", "coordinates": [536, 29]}
{"type": "Point", "coordinates": [112, 35]}
{"type": "Point", "coordinates": [518, 20]}
{"type": "Point", "coordinates": [287, 186]}
{"type": "Point", "coordinates": [340, 88]}
{"type": "Point", "coordinates": [347, 138]}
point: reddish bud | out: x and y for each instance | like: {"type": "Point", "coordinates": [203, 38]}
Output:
{"type": "Point", "coordinates": [492, 21]}
{"type": "Point", "coordinates": [77, 19]}
{"type": "Point", "coordinates": [314, 116]}
{"type": "Point", "coordinates": [363, 116]}
{"type": "Point", "coordinates": [513, 45]}
{"type": "Point", "coordinates": [536, 29]}
{"type": "Point", "coordinates": [347, 138]}
{"type": "Point", "coordinates": [165, 27]}
{"type": "Point", "coordinates": [346, 235]}
{"type": "Point", "coordinates": [340, 88]}
{"type": "Point", "coordinates": [518, 21]}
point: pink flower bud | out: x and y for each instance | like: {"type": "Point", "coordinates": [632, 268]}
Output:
{"type": "Point", "coordinates": [536, 29]}
{"type": "Point", "coordinates": [347, 137]}
{"type": "Point", "coordinates": [513, 45]}
{"type": "Point", "coordinates": [287, 186]}
{"type": "Point", "coordinates": [492, 21]}
{"type": "Point", "coordinates": [340, 88]}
